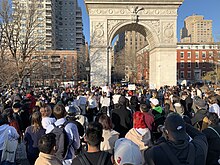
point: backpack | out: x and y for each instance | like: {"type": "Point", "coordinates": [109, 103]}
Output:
{"type": "Point", "coordinates": [101, 161]}
{"type": "Point", "coordinates": [63, 143]}
{"type": "Point", "coordinates": [174, 160]}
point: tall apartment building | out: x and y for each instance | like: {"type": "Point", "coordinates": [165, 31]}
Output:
{"type": "Point", "coordinates": [59, 23]}
{"type": "Point", "coordinates": [196, 30]}
{"type": "Point", "coordinates": [134, 41]}
{"type": "Point", "coordinates": [125, 50]}
{"type": "Point", "coordinates": [67, 25]}
{"type": "Point", "coordinates": [36, 15]}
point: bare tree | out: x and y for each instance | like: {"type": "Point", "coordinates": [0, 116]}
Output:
{"type": "Point", "coordinates": [214, 74]}
{"type": "Point", "coordinates": [19, 24]}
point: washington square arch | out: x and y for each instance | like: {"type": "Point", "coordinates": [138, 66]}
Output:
{"type": "Point", "coordinates": [154, 19]}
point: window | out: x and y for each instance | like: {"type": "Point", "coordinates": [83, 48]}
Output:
{"type": "Point", "coordinates": [45, 57]}
{"type": "Point", "coordinates": [196, 54]}
{"type": "Point", "coordinates": [197, 64]}
{"type": "Point", "coordinates": [181, 64]}
{"type": "Point", "coordinates": [189, 64]}
{"type": "Point", "coordinates": [210, 54]}
{"type": "Point", "coordinates": [203, 54]}
{"type": "Point", "coordinates": [182, 74]}
{"type": "Point", "coordinates": [189, 75]}
{"type": "Point", "coordinates": [188, 54]}
{"type": "Point", "coordinates": [211, 63]}
{"type": "Point", "coordinates": [203, 63]}
{"type": "Point", "coordinates": [181, 54]}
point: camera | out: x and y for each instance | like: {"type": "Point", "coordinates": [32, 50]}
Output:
{"type": "Point", "coordinates": [161, 128]}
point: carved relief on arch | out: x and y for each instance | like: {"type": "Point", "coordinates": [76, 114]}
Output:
{"type": "Point", "coordinates": [113, 24]}
{"type": "Point", "coordinates": [168, 32]}
{"type": "Point", "coordinates": [154, 25]}
{"type": "Point", "coordinates": [97, 36]}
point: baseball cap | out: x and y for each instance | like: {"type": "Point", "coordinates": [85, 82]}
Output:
{"type": "Point", "coordinates": [176, 127]}
{"type": "Point", "coordinates": [127, 152]}
{"type": "Point", "coordinates": [73, 110]}
{"type": "Point", "coordinates": [154, 101]}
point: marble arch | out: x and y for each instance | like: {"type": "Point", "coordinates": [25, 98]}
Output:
{"type": "Point", "coordinates": [155, 19]}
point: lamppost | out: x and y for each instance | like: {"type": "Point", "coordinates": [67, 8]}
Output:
{"type": "Point", "coordinates": [87, 66]}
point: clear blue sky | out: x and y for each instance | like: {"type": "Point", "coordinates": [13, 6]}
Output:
{"type": "Point", "coordinates": [210, 9]}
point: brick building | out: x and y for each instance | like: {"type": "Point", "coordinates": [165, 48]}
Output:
{"type": "Point", "coordinates": [142, 75]}
{"type": "Point", "coordinates": [54, 67]}
{"type": "Point", "coordinates": [195, 60]}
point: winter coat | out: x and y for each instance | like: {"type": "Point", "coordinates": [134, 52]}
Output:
{"type": "Point", "coordinates": [214, 143]}
{"type": "Point", "coordinates": [143, 141]}
{"type": "Point", "coordinates": [47, 159]}
{"type": "Point", "coordinates": [122, 120]}
{"type": "Point", "coordinates": [157, 156]}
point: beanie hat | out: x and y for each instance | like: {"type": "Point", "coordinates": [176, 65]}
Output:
{"type": "Point", "coordinates": [138, 120]}
{"type": "Point", "coordinates": [199, 102]}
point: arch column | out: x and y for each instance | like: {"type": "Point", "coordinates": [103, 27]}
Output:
{"type": "Point", "coordinates": [100, 52]}
{"type": "Point", "coordinates": [162, 67]}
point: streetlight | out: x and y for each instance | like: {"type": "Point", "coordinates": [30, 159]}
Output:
{"type": "Point", "coordinates": [87, 67]}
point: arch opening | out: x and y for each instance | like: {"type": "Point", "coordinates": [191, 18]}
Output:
{"type": "Point", "coordinates": [129, 63]}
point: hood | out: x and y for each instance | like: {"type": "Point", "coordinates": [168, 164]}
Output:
{"type": "Point", "coordinates": [110, 132]}
{"type": "Point", "coordinates": [113, 133]}
{"type": "Point", "coordinates": [158, 109]}
{"type": "Point", "coordinates": [3, 127]}
{"type": "Point", "coordinates": [181, 145]}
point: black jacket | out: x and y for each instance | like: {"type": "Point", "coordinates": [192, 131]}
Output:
{"type": "Point", "coordinates": [187, 104]}
{"type": "Point", "coordinates": [214, 145]}
{"type": "Point", "coordinates": [156, 155]}
{"type": "Point", "coordinates": [121, 120]}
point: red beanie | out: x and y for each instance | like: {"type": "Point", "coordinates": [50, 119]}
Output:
{"type": "Point", "coordinates": [138, 119]}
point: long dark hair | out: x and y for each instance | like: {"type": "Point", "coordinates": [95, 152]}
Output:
{"type": "Point", "coordinates": [36, 121]}
{"type": "Point", "coordinates": [3, 119]}
{"type": "Point", "coordinates": [105, 121]}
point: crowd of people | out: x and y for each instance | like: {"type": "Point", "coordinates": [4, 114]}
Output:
{"type": "Point", "coordinates": [110, 125]}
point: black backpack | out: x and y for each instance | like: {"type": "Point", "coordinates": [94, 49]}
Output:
{"type": "Point", "coordinates": [63, 143]}
{"type": "Point", "coordinates": [101, 161]}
